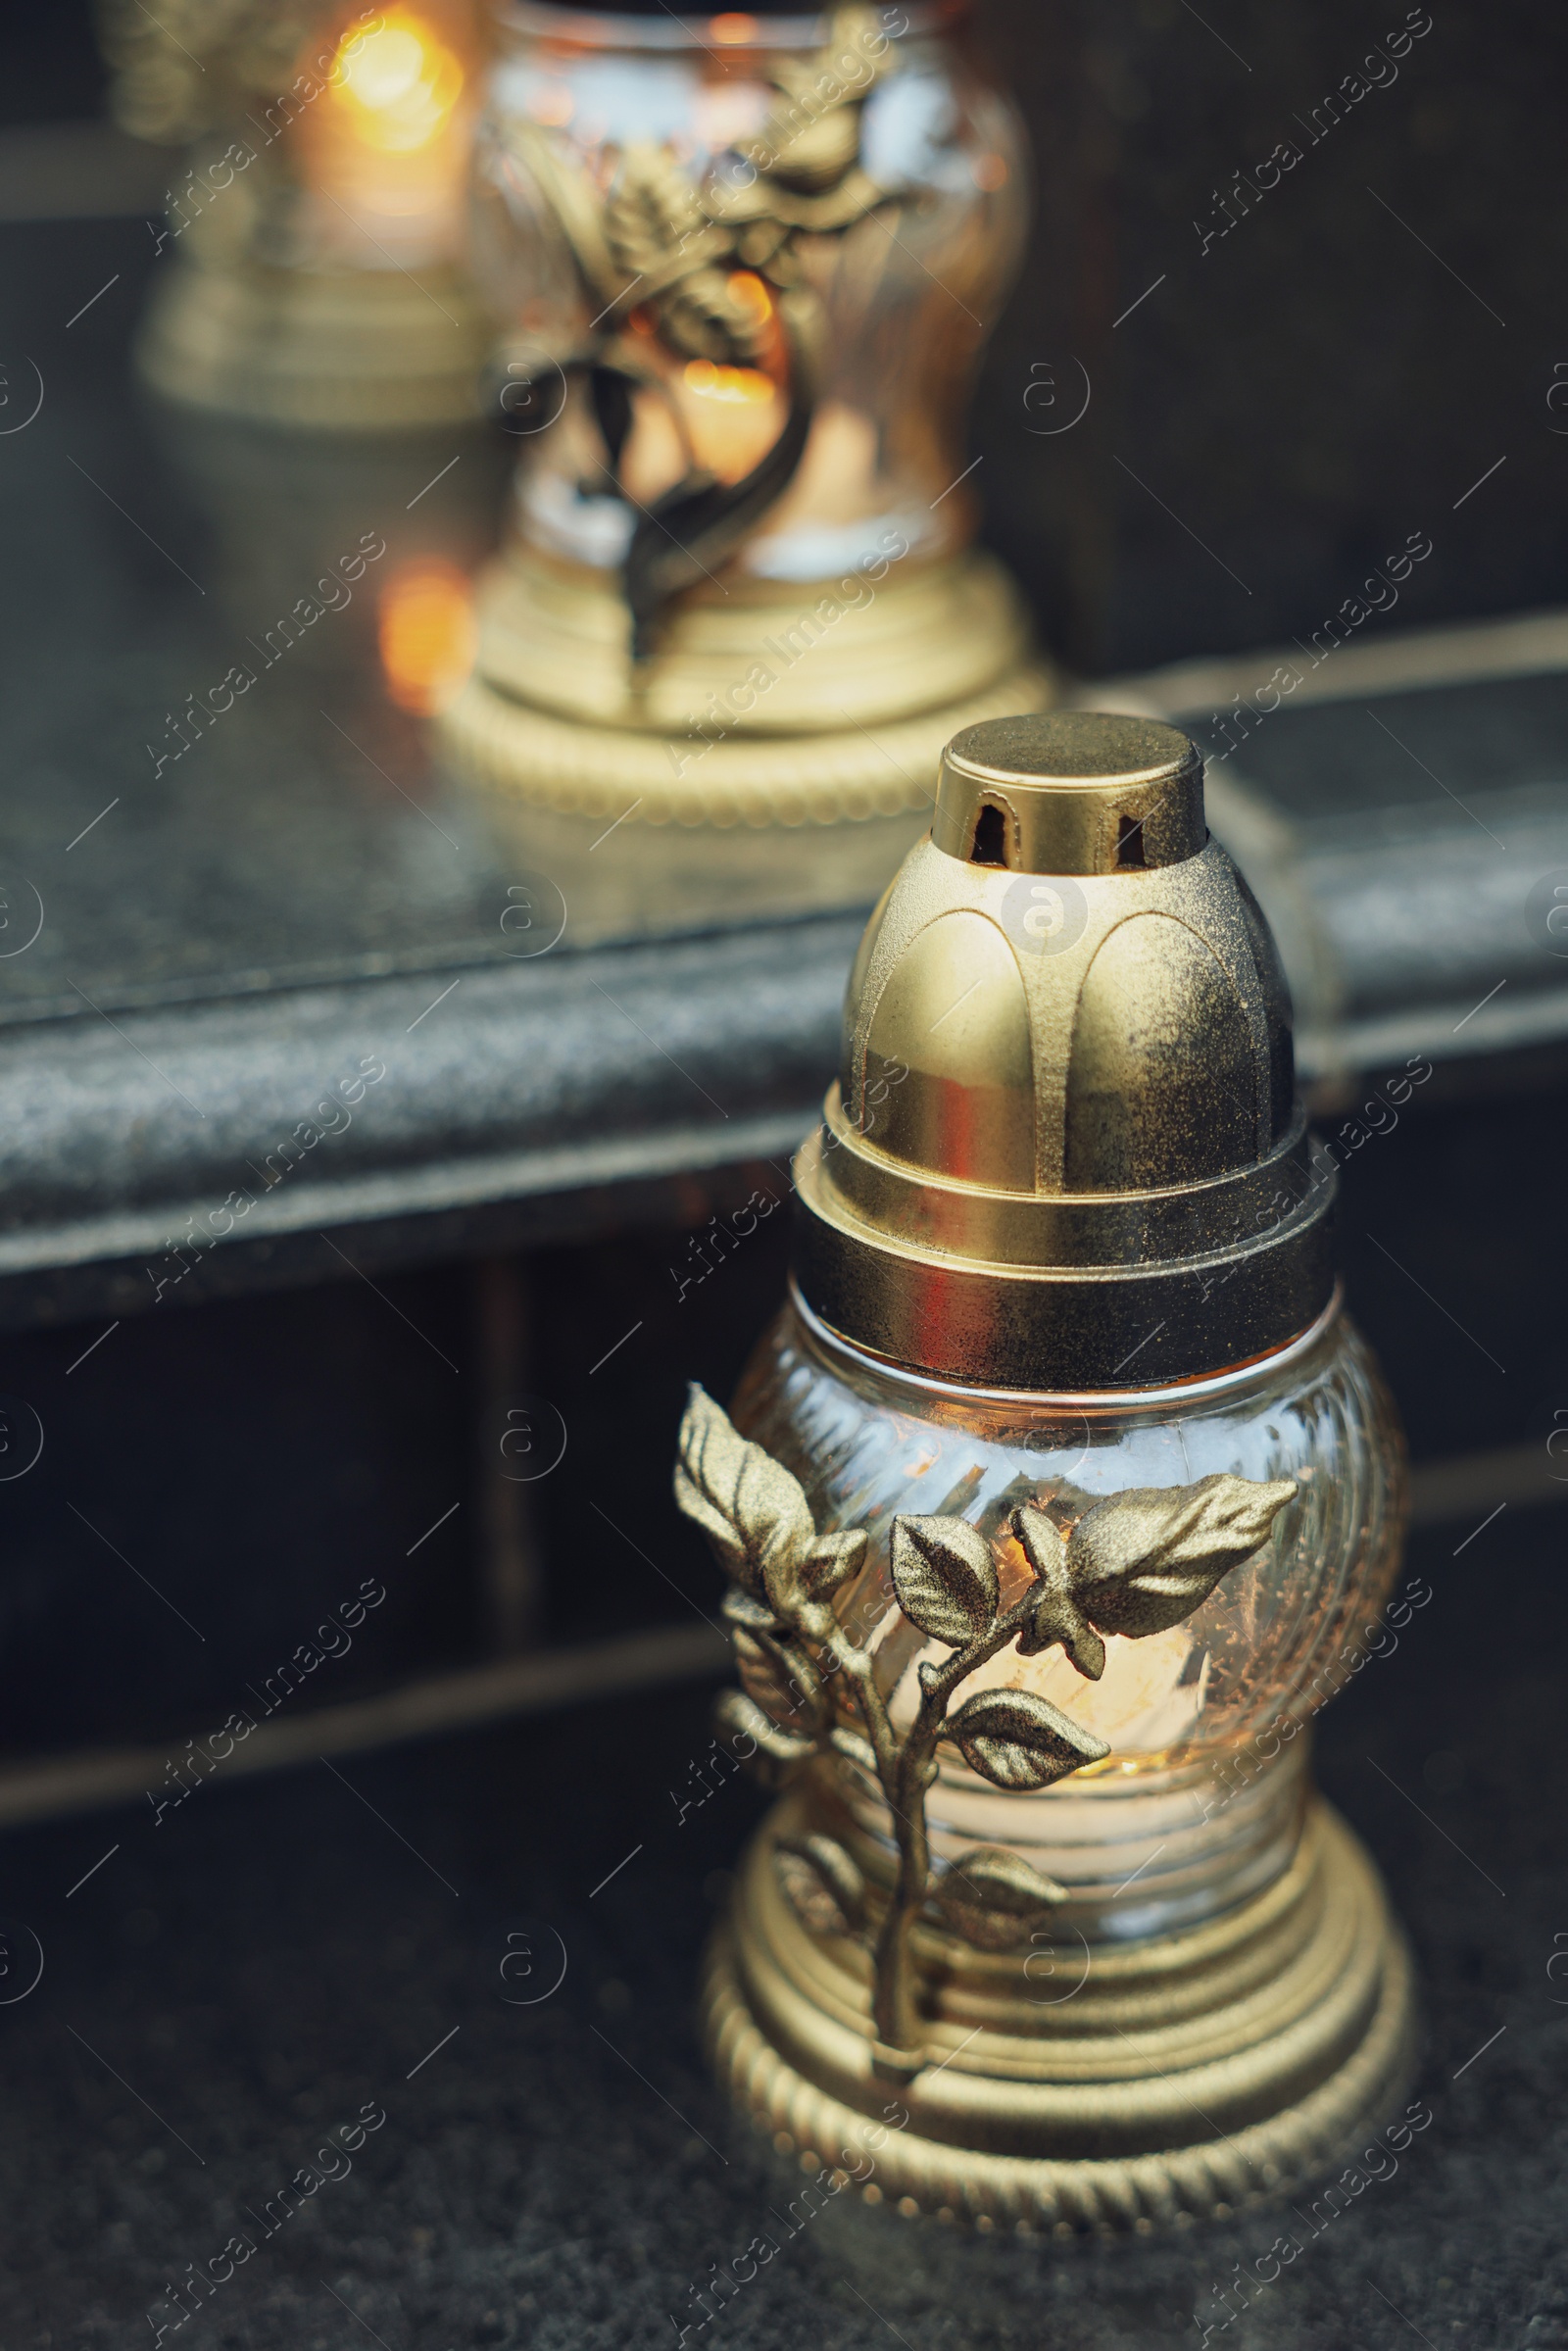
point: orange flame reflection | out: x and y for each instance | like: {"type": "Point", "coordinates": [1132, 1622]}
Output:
{"type": "Point", "coordinates": [747, 386]}
{"type": "Point", "coordinates": [424, 622]}
{"type": "Point", "coordinates": [746, 288]}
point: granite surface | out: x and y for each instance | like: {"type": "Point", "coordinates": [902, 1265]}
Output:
{"type": "Point", "coordinates": [208, 924]}
{"type": "Point", "coordinates": [264, 1964]}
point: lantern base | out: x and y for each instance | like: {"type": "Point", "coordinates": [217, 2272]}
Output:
{"type": "Point", "coordinates": [1186, 2075]}
{"type": "Point", "coordinates": [771, 704]}
{"type": "Point", "coordinates": [348, 349]}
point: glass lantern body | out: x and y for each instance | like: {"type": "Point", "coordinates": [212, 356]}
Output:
{"type": "Point", "coordinates": [905, 293]}
{"type": "Point", "coordinates": [1200, 1800]}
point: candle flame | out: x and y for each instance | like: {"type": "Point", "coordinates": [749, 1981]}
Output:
{"type": "Point", "coordinates": [397, 86]}
{"type": "Point", "coordinates": [425, 628]}
{"type": "Point", "coordinates": [746, 288]}
{"type": "Point", "coordinates": [744, 386]}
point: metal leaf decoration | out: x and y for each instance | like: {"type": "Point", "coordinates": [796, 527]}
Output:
{"type": "Point", "coordinates": [995, 1899]}
{"type": "Point", "coordinates": [822, 1885]}
{"type": "Point", "coordinates": [857, 1750]}
{"type": "Point", "coordinates": [697, 523]}
{"type": "Point", "coordinates": [832, 1560]}
{"type": "Point", "coordinates": [1056, 1615]}
{"type": "Point", "coordinates": [740, 1717]}
{"type": "Point", "coordinates": [657, 249]}
{"type": "Point", "coordinates": [763, 1675]}
{"type": "Point", "coordinates": [752, 1510]}
{"type": "Point", "coordinates": [945, 1577]}
{"type": "Point", "coordinates": [1141, 1561]}
{"type": "Point", "coordinates": [1020, 1742]}
{"type": "Point", "coordinates": [1135, 1565]}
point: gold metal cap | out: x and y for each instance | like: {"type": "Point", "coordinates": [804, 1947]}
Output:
{"type": "Point", "coordinates": [1065, 1151]}
{"type": "Point", "coordinates": [1074, 792]}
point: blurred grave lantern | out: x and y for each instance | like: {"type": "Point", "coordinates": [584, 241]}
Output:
{"type": "Point", "coordinates": [309, 266]}
{"type": "Point", "coordinates": [742, 268]}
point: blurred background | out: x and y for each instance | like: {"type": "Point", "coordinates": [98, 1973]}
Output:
{"type": "Point", "coordinates": [1306, 391]}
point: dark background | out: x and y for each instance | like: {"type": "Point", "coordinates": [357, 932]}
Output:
{"type": "Point", "coordinates": [1304, 395]}
{"type": "Point", "coordinates": [1316, 385]}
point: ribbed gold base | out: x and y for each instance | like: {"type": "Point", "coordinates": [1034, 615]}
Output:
{"type": "Point", "coordinates": [350, 350]}
{"type": "Point", "coordinates": [767, 704]}
{"type": "Point", "coordinates": [1188, 2076]}
{"type": "Point", "coordinates": [827, 778]}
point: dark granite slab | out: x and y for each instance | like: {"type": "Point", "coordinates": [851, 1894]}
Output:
{"type": "Point", "coordinates": [207, 923]}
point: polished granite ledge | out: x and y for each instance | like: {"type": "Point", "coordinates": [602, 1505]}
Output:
{"type": "Point", "coordinates": [636, 1084]}
{"type": "Point", "coordinates": [229, 928]}
{"type": "Point", "coordinates": [529, 1105]}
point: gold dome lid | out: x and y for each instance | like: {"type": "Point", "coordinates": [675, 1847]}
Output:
{"type": "Point", "coordinates": [1065, 1151]}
